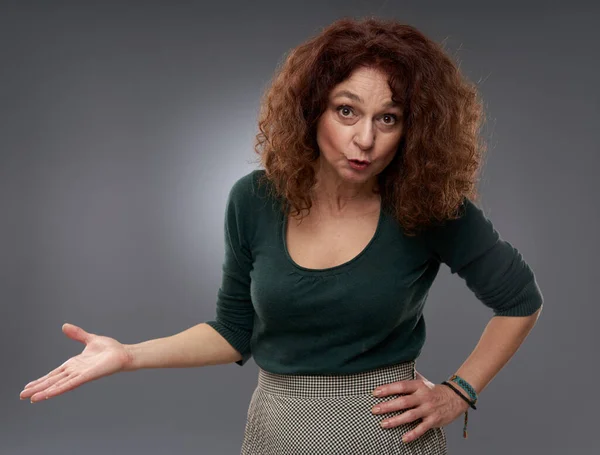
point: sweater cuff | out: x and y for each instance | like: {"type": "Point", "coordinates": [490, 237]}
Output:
{"type": "Point", "coordinates": [525, 303]}
{"type": "Point", "coordinates": [239, 340]}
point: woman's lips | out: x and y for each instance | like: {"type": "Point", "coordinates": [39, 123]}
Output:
{"type": "Point", "coordinates": [359, 165]}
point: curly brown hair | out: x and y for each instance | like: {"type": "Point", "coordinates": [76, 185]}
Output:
{"type": "Point", "coordinates": [440, 153]}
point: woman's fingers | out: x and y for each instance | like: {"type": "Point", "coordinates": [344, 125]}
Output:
{"type": "Point", "coordinates": [49, 382]}
{"type": "Point", "coordinates": [421, 429]}
{"type": "Point", "coordinates": [64, 385]}
{"type": "Point", "coordinates": [38, 382]}
{"type": "Point", "coordinates": [397, 404]}
{"type": "Point", "coordinates": [406, 417]}
{"type": "Point", "coordinates": [75, 333]}
{"type": "Point", "coordinates": [406, 386]}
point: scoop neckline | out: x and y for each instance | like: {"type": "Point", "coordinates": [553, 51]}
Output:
{"type": "Point", "coordinates": [329, 270]}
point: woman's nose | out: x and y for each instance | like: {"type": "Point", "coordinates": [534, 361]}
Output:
{"type": "Point", "coordinates": [365, 135]}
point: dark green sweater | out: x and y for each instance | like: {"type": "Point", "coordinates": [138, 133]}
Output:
{"type": "Point", "coordinates": [363, 314]}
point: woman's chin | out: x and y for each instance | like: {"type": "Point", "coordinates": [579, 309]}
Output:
{"type": "Point", "coordinates": [353, 176]}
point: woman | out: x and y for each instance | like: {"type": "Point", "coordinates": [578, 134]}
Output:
{"type": "Point", "coordinates": [370, 148]}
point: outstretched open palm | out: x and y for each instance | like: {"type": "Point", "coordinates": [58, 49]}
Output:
{"type": "Point", "coordinates": [101, 357]}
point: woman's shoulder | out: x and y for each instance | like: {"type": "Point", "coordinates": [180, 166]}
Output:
{"type": "Point", "coordinates": [253, 189]}
{"type": "Point", "coordinates": [251, 184]}
{"type": "Point", "coordinates": [459, 240]}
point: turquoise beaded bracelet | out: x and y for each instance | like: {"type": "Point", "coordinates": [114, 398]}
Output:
{"type": "Point", "coordinates": [465, 386]}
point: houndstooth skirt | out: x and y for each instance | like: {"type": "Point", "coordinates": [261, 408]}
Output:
{"type": "Point", "coordinates": [327, 415]}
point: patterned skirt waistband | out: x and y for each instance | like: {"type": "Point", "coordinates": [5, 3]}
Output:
{"type": "Point", "coordinates": [310, 386]}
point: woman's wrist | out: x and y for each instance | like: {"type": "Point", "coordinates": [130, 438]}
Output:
{"type": "Point", "coordinates": [130, 362]}
{"type": "Point", "coordinates": [459, 403]}
{"type": "Point", "coordinates": [463, 405]}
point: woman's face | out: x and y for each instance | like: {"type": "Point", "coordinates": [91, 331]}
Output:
{"type": "Point", "coordinates": [360, 123]}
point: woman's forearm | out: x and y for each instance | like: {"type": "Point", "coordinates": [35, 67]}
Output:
{"type": "Point", "coordinates": [200, 345]}
{"type": "Point", "coordinates": [500, 340]}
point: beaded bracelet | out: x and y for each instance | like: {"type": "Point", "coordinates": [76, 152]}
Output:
{"type": "Point", "coordinates": [465, 386]}
{"type": "Point", "coordinates": [471, 403]}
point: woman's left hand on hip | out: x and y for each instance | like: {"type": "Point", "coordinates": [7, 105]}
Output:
{"type": "Point", "coordinates": [436, 404]}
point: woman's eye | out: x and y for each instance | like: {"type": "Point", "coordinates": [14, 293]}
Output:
{"type": "Point", "coordinates": [389, 119]}
{"type": "Point", "coordinates": [345, 111]}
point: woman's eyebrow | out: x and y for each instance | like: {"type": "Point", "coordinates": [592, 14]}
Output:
{"type": "Point", "coordinates": [355, 97]}
{"type": "Point", "coordinates": [348, 94]}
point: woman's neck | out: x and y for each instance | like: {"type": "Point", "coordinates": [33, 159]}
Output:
{"type": "Point", "coordinates": [337, 196]}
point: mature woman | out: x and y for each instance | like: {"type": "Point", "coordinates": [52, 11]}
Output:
{"type": "Point", "coordinates": [370, 149]}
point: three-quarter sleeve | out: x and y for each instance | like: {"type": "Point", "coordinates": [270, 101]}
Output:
{"type": "Point", "coordinates": [234, 311]}
{"type": "Point", "coordinates": [492, 268]}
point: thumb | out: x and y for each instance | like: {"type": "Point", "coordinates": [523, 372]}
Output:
{"type": "Point", "coordinates": [76, 333]}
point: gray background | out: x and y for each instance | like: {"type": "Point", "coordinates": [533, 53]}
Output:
{"type": "Point", "coordinates": [122, 128]}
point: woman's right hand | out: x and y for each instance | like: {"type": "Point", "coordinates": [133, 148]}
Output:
{"type": "Point", "coordinates": [101, 357]}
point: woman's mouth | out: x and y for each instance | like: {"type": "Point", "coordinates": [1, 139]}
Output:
{"type": "Point", "coordinates": [359, 165]}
